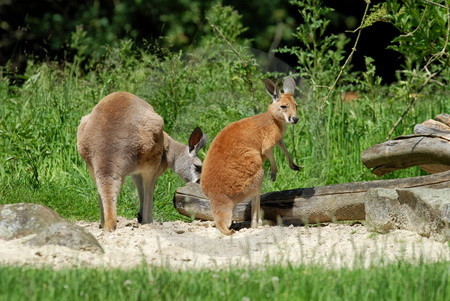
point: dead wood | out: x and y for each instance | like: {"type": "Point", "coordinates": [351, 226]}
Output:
{"type": "Point", "coordinates": [428, 148]}
{"type": "Point", "coordinates": [314, 204]}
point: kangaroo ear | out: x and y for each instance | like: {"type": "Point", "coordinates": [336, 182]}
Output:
{"type": "Point", "coordinates": [272, 89]}
{"type": "Point", "coordinates": [197, 141]}
{"type": "Point", "coordinates": [289, 85]}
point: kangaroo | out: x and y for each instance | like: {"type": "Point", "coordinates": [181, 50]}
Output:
{"type": "Point", "coordinates": [233, 167]}
{"type": "Point", "coordinates": [123, 136]}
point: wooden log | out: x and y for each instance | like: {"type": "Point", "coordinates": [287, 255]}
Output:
{"type": "Point", "coordinates": [315, 204]}
{"type": "Point", "coordinates": [432, 127]}
{"type": "Point", "coordinates": [407, 151]}
{"type": "Point", "coordinates": [439, 126]}
{"type": "Point", "coordinates": [429, 149]}
{"type": "Point", "coordinates": [444, 119]}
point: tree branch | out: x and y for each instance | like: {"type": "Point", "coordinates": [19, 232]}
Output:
{"type": "Point", "coordinates": [359, 29]}
{"type": "Point", "coordinates": [245, 63]}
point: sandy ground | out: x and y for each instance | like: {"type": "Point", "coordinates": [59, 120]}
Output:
{"type": "Point", "coordinates": [200, 245]}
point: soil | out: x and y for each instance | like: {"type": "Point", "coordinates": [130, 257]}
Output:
{"type": "Point", "coordinates": [199, 244]}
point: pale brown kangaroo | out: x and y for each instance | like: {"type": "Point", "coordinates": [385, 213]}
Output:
{"type": "Point", "coordinates": [124, 136]}
{"type": "Point", "coordinates": [233, 167]}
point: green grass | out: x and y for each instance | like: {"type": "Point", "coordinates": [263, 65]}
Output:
{"type": "Point", "coordinates": [207, 86]}
{"type": "Point", "coordinates": [39, 121]}
{"type": "Point", "coordinates": [401, 281]}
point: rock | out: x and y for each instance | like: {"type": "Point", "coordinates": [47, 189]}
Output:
{"type": "Point", "coordinates": [422, 210]}
{"type": "Point", "coordinates": [22, 219]}
{"type": "Point", "coordinates": [381, 206]}
{"type": "Point", "coordinates": [68, 235]}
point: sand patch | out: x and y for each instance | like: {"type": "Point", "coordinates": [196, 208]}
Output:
{"type": "Point", "coordinates": [200, 245]}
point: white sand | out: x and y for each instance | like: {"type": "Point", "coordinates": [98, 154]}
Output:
{"type": "Point", "coordinates": [200, 245]}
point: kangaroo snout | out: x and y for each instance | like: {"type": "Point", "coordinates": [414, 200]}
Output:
{"type": "Point", "coordinates": [293, 119]}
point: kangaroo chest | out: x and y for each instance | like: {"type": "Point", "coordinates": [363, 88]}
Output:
{"type": "Point", "coordinates": [271, 137]}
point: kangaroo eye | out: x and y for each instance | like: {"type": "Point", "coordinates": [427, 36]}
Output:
{"type": "Point", "coordinates": [198, 168]}
{"type": "Point", "coordinates": [283, 107]}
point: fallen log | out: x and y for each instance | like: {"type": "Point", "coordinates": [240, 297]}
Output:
{"type": "Point", "coordinates": [407, 151]}
{"type": "Point", "coordinates": [305, 205]}
{"type": "Point", "coordinates": [428, 148]}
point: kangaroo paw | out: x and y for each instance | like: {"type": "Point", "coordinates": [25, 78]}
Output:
{"type": "Point", "coordinates": [296, 167]}
{"type": "Point", "coordinates": [273, 177]}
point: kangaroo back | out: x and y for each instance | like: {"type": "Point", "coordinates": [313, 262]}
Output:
{"type": "Point", "coordinates": [122, 132]}
{"type": "Point", "coordinates": [123, 135]}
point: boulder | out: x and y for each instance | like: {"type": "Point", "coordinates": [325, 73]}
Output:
{"type": "Point", "coordinates": [68, 235]}
{"type": "Point", "coordinates": [422, 210]}
{"type": "Point", "coordinates": [24, 219]}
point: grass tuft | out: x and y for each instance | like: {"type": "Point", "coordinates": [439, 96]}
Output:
{"type": "Point", "coordinates": [399, 281]}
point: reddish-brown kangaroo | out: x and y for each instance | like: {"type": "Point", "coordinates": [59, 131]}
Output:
{"type": "Point", "coordinates": [233, 167]}
{"type": "Point", "coordinates": [123, 136]}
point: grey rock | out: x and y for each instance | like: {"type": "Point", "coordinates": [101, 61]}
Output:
{"type": "Point", "coordinates": [422, 210]}
{"type": "Point", "coordinates": [68, 235]}
{"type": "Point", "coordinates": [381, 206]}
{"type": "Point", "coordinates": [22, 219]}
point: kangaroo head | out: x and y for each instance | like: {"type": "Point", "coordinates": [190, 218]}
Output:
{"type": "Point", "coordinates": [283, 106]}
{"type": "Point", "coordinates": [187, 164]}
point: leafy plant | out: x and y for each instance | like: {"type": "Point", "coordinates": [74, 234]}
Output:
{"type": "Point", "coordinates": [319, 54]}
{"type": "Point", "coordinates": [423, 42]}
{"type": "Point", "coordinates": [26, 150]}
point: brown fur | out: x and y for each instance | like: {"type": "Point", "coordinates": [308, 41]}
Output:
{"type": "Point", "coordinates": [123, 135]}
{"type": "Point", "coordinates": [349, 96]}
{"type": "Point", "coordinates": [233, 167]}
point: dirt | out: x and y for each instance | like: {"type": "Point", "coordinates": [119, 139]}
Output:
{"type": "Point", "coordinates": [200, 245]}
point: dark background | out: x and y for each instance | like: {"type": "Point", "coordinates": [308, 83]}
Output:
{"type": "Point", "coordinates": [42, 29]}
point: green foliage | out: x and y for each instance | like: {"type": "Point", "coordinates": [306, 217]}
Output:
{"type": "Point", "coordinates": [228, 20]}
{"type": "Point", "coordinates": [423, 41]}
{"type": "Point", "coordinates": [39, 119]}
{"type": "Point", "coordinates": [319, 54]}
{"type": "Point", "coordinates": [177, 24]}
{"type": "Point", "coordinates": [424, 32]}
{"type": "Point", "coordinates": [401, 281]}
{"type": "Point", "coordinates": [26, 147]}
{"type": "Point", "coordinates": [211, 85]}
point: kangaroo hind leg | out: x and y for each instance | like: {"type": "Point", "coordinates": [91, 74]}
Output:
{"type": "Point", "coordinates": [108, 191]}
{"type": "Point", "coordinates": [145, 184]}
{"type": "Point", "coordinates": [222, 210]}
